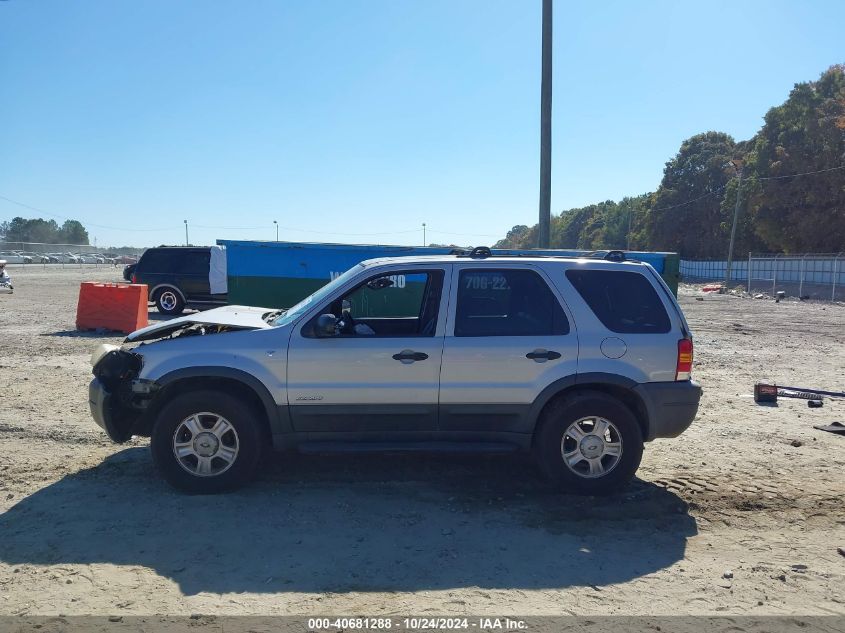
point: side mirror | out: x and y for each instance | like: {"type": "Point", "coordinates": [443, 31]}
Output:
{"type": "Point", "coordinates": [326, 325]}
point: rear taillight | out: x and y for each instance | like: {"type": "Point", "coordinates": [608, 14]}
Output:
{"type": "Point", "coordinates": [684, 367]}
{"type": "Point", "coordinates": [134, 279]}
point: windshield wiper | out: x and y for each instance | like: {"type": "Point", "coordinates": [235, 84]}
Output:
{"type": "Point", "coordinates": [273, 315]}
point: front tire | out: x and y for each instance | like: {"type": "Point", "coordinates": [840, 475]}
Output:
{"type": "Point", "coordinates": [589, 443]}
{"type": "Point", "coordinates": [169, 301]}
{"type": "Point", "coordinates": [205, 442]}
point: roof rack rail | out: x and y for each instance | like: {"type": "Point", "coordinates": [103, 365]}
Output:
{"type": "Point", "coordinates": [483, 252]}
{"type": "Point", "coordinates": [479, 252]}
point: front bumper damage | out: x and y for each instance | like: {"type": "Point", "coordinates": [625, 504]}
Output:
{"type": "Point", "coordinates": [100, 403]}
{"type": "Point", "coordinates": [117, 399]}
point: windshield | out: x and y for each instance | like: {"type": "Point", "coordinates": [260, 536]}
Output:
{"type": "Point", "coordinates": [291, 314]}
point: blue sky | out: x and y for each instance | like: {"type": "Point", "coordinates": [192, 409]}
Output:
{"type": "Point", "coordinates": [357, 121]}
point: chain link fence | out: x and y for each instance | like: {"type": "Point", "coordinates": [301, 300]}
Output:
{"type": "Point", "coordinates": [807, 275]}
{"type": "Point", "coordinates": [37, 253]}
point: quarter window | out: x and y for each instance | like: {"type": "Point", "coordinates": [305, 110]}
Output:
{"type": "Point", "coordinates": [624, 302]}
{"type": "Point", "coordinates": [507, 302]}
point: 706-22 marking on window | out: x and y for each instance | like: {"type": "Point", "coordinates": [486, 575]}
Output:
{"type": "Point", "coordinates": [487, 282]}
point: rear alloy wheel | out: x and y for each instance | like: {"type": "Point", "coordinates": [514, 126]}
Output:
{"type": "Point", "coordinates": [589, 443]}
{"type": "Point", "coordinates": [591, 447]}
{"type": "Point", "coordinates": [206, 442]}
{"type": "Point", "coordinates": [169, 301]}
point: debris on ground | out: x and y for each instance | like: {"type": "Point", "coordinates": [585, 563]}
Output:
{"type": "Point", "coordinates": [833, 427]}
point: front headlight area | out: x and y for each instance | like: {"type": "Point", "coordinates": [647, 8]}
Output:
{"type": "Point", "coordinates": [100, 351]}
{"type": "Point", "coordinates": [114, 366]}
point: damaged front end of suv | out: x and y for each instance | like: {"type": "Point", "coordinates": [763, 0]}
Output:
{"type": "Point", "coordinates": [116, 396]}
{"type": "Point", "coordinates": [123, 394]}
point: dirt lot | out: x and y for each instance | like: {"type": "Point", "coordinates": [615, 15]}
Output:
{"type": "Point", "coordinates": [741, 515]}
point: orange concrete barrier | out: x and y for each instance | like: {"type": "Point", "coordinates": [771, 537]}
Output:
{"type": "Point", "coordinates": [120, 307]}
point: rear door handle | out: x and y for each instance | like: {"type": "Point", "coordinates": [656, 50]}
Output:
{"type": "Point", "coordinates": [540, 355]}
{"type": "Point", "coordinates": [409, 356]}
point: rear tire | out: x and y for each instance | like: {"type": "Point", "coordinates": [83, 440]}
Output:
{"type": "Point", "coordinates": [589, 443]}
{"type": "Point", "coordinates": [169, 301]}
{"type": "Point", "coordinates": [205, 442]}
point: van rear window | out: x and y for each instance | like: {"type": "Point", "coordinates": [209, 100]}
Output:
{"type": "Point", "coordinates": [624, 302]}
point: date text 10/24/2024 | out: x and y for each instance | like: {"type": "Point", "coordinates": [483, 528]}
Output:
{"type": "Point", "coordinates": [417, 624]}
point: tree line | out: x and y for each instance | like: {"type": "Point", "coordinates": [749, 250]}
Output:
{"type": "Point", "coordinates": [792, 193]}
{"type": "Point", "coordinates": [43, 231]}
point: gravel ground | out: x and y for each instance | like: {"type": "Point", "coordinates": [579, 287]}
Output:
{"type": "Point", "coordinates": [743, 514]}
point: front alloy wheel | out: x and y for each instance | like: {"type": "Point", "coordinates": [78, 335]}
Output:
{"type": "Point", "coordinates": [205, 444]}
{"type": "Point", "coordinates": [207, 441]}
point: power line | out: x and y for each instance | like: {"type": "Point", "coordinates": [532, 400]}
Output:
{"type": "Point", "coordinates": [720, 189]}
{"type": "Point", "coordinates": [199, 226]}
{"type": "Point", "coordinates": [290, 228]}
{"type": "Point", "coordinates": [683, 204]}
{"type": "Point", "coordinates": [365, 234]}
{"type": "Point", "coordinates": [806, 173]}
{"type": "Point", "coordinates": [462, 234]}
{"type": "Point", "coordinates": [86, 223]}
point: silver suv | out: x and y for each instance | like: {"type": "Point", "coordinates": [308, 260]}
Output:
{"type": "Point", "coordinates": [579, 361]}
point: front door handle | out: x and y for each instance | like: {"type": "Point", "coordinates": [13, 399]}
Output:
{"type": "Point", "coordinates": [409, 356]}
{"type": "Point", "coordinates": [539, 355]}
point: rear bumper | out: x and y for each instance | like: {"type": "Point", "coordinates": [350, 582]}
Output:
{"type": "Point", "coordinates": [671, 406]}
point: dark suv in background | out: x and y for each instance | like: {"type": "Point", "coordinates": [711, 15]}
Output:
{"type": "Point", "coordinates": [177, 277]}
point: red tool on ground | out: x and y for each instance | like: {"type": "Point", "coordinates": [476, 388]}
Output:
{"type": "Point", "coordinates": [769, 393]}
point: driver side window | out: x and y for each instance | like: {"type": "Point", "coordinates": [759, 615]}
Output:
{"type": "Point", "coordinates": [398, 304]}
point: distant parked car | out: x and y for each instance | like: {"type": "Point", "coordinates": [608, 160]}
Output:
{"type": "Point", "coordinates": [126, 259]}
{"type": "Point", "coordinates": [15, 258]}
{"type": "Point", "coordinates": [177, 277]}
{"type": "Point", "coordinates": [39, 258]}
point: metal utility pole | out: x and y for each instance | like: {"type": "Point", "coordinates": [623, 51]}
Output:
{"type": "Point", "coordinates": [277, 229]}
{"type": "Point", "coordinates": [546, 128]}
{"type": "Point", "coordinates": [423, 233]}
{"type": "Point", "coordinates": [738, 167]}
{"type": "Point", "coordinates": [186, 232]}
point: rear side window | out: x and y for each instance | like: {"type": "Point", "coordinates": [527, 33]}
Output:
{"type": "Point", "coordinates": [507, 302]}
{"type": "Point", "coordinates": [157, 261]}
{"type": "Point", "coordinates": [166, 260]}
{"type": "Point", "coordinates": [194, 263]}
{"type": "Point", "coordinates": [624, 302]}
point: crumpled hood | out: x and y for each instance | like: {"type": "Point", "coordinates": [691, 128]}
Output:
{"type": "Point", "coordinates": [236, 317]}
